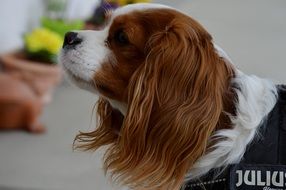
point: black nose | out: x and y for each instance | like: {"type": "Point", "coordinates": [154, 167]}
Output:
{"type": "Point", "coordinates": [71, 39]}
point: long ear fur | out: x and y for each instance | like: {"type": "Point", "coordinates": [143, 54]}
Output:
{"type": "Point", "coordinates": [175, 104]}
{"type": "Point", "coordinates": [109, 122]}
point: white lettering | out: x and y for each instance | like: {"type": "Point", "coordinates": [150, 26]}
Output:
{"type": "Point", "coordinates": [268, 178]}
{"type": "Point", "coordinates": [259, 181]}
{"type": "Point", "coordinates": [253, 177]}
{"type": "Point", "coordinates": [281, 179]}
{"type": "Point", "coordinates": [246, 177]}
{"type": "Point", "coordinates": [239, 177]}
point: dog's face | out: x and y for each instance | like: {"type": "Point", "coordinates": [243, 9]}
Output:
{"type": "Point", "coordinates": [104, 61]}
{"type": "Point", "coordinates": [159, 68]}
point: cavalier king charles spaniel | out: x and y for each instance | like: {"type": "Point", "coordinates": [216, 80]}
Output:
{"type": "Point", "coordinates": [172, 105]}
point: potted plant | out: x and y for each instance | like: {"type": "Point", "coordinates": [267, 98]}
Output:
{"type": "Point", "coordinates": [35, 65]}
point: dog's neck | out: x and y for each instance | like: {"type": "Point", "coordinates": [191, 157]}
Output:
{"type": "Point", "coordinates": [256, 97]}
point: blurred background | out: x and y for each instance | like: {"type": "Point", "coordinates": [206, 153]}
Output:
{"type": "Point", "coordinates": [39, 155]}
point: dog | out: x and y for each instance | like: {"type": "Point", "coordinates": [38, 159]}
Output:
{"type": "Point", "coordinates": [173, 108]}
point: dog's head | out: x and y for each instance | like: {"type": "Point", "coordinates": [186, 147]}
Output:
{"type": "Point", "coordinates": [163, 87]}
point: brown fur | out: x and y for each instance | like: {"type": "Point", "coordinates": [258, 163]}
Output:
{"type": "Point", "coordinates": [177, 91]}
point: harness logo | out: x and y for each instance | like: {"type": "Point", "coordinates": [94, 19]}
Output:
{"type": "Point", "coordinates": [257, 177]}
{"type": "Point", "coordinates": [253, 177]}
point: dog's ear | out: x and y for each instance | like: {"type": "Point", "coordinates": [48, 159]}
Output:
{"type": "Point", "coordinates": [175, 102]}
{"type": "Point", "coordinates": [109, 122]}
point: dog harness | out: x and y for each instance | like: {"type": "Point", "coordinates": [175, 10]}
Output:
{"type": "Point", "coordinates": [263, 166]}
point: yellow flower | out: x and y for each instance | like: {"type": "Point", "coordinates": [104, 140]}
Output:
{"type": "Point", "coordinates": [122, 2]}
{"type": "Point", "coordinates": [43, 39]}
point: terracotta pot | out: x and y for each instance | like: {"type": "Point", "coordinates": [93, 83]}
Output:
{"type": "Point", "coordinates": [41, 77]}
{"type": "Point", "coordinates": [20, 107]}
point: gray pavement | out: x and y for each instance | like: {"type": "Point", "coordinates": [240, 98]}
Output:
{"type": "Point", "coordinates": [252, 32]}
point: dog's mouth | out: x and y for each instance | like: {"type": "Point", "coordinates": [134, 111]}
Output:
{"type": "Point", "coordinates": [75, 77]}
{"type": "Point", "coordinates": [80, 82]}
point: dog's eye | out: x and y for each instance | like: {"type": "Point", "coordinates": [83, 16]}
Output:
{"type": "Point", "coordinates": [121, 37]}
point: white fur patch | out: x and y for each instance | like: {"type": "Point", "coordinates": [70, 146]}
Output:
{"type": "Point", "coordinates": [138, 7]}
{"type": "Point", "coordinates": [256, 98]}
{"type": "Point", "coordinates": [85, 59]}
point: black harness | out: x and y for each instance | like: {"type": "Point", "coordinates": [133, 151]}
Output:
{"type": "Point", "coordinates": [263, 166]}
